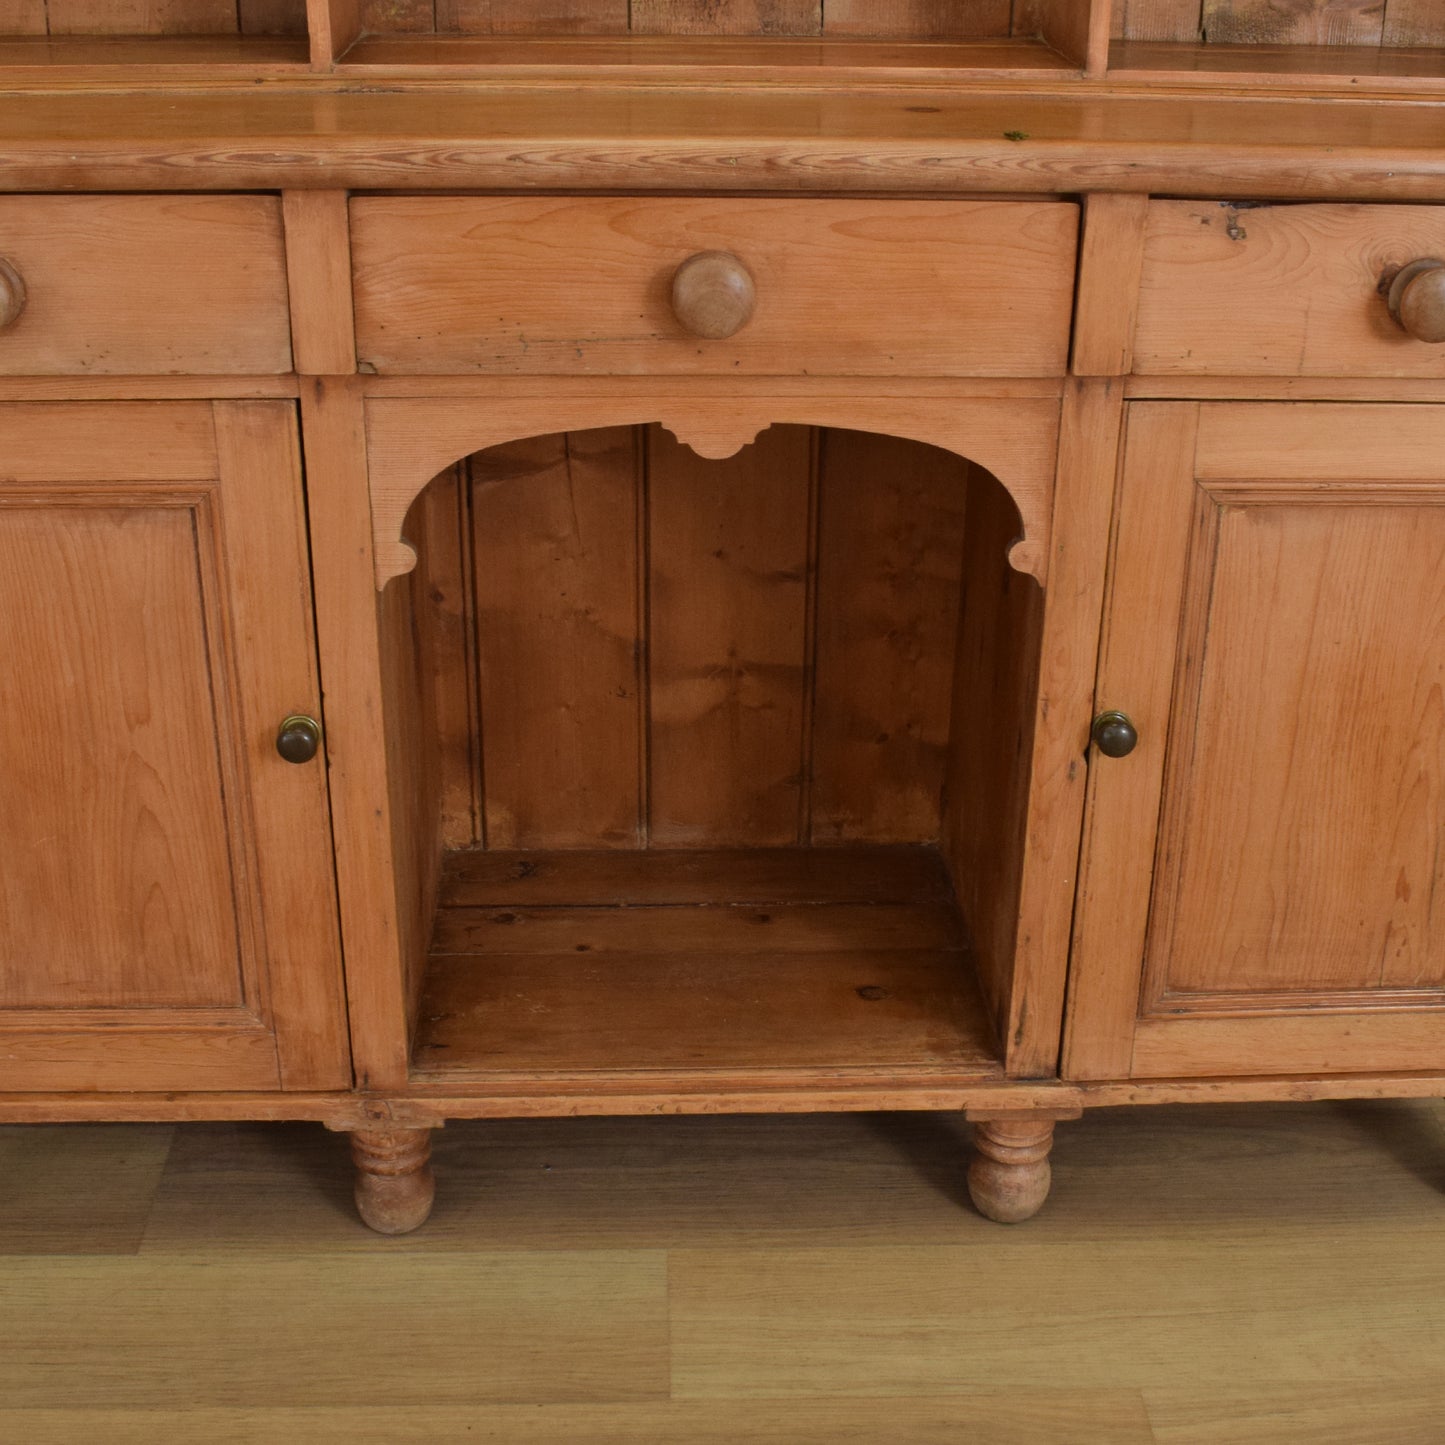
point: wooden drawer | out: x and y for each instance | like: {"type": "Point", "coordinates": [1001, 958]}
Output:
{"type": "Point", "coordinates": [1281, 290]}
{"type": "Point", "coordinates": [942, 288]}
{"type": "Point", "coordinates": [146, 285]}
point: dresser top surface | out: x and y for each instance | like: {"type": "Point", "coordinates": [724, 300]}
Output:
{"type": "Point", "coordinates": [905, 139]}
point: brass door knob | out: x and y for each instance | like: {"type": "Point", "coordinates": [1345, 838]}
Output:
{"type": "Point", "coordinates": [12, 294]}
{"type": "Point", "coordinates": [1417, 299]}
{"type": "Point", "coordinates": [713, 295]}
{"type": "Point", "coordinates": [299, 738]}
{"type": "Point", "coordinates": [1114, 734]}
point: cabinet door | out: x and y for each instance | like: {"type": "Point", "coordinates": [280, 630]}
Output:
{"type": "Point", "coordinates": [1263, 884]}
{"type": "Point", "coordinates": [167, 905]}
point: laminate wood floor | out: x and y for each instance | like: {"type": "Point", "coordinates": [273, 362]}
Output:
{"type": "Point", "coordinates": [1268, 1274]}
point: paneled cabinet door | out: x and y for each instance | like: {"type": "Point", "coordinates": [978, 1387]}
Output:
{"type": "Point", "coordinates": [167, 907]}
{"type": "Point", "coordinates": [1263, 887]}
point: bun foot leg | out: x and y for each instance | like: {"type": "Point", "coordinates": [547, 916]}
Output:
{"type": "Point", "coordinates": [394, 1183]}
{"type": "Point", "coordinates": [1009, 1176]}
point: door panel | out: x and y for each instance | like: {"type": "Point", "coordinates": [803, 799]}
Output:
{"type": "Point", "coordinates": [166, 904]}
{"type": "Point", "coordinates": [1262, 886]}
{"type": "Point", "coordinates": [112, 709]}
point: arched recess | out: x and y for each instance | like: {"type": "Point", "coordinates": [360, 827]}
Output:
{"type": "Point", "coordinates": [411, 440]}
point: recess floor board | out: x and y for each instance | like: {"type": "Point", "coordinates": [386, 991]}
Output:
{"type": "Point", "coordinates": [847, 959]}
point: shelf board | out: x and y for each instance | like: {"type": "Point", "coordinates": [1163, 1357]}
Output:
{"type": "Point", "coordinates": [831, 963]}
{"type": "Point", "coordinates": [142, 57]}
{"type": "Point", "coordinates": [673, 60]}
{"type": "Point", "coordinates": [1332, 68]}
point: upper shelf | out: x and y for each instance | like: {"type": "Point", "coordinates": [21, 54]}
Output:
{"type": "Point", "coordinates": [1310, 46]}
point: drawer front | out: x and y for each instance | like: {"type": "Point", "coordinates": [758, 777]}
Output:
{"type": "Point", "coordinates": [145, 285]}
{"type": "Point", "coordinates": [1281, 290]}
{"type": "Point", "coordinates": [585, 286]}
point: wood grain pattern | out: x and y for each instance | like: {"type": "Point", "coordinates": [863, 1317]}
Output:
{"type": "Point", "coordinates": [1280, 290]}
{"type": "Point", "coordinates": [727, 579]}
{"type": "Point", "coordinates": [1092, 1417]}
{"type": "Point", "coordinates": [555, 522]}
{"type": "Point", "coordinates": [1413, 23]}
{"type": "Point", "coordinates": [527, 17]}
{"type": "Point", "coordinates": [1317, 875]}
{"type": "Point", "coordinates": [413, 775]}
{"type": "Point", "coordinates": [1283, 36]}
{"type": "Point", "coordinates": [890, 19]}
{"type": "Point", "coordinates": [141, 17]}
{"type": "Point", "coordinates": [268, 602]}
{"type": "Point", "coordinates": [148, 61]}
{"type": "Point", "coordinates": [986, 786]}
{"type": "Point", "coordinates": [890, 558]}
{"type": "Point", "coordinates": [22, 17]}
{"type": "Point", "coordinates": [343, 572]}
{"type": "Point", "coordinates": [191, 284]}
{"type": "Point", "coordinates": [735, 928]}
{"type": "Point", "coordinates": [799, 1326]}
{"type": "Point", "coordinates": [726, 17]}
{"type": "Point", "coordinates": [934, 288]}
{"type": "Point", "coordinates": [318, 280]}
{"type": "Point", "coordinates": [334, 27]}
{"type": "Point", "coordinates": [1157, 19]}
{"type": "Point", "coordinates": [433, 1108]}
{"type": "Point", "coordinates": [398, 16]}
{"type": "Point", "coordinates": [1111, 261]}
{"type": "Point", "coordinates": [146, 388]}
{"type": "Point", "coordinates": [1334, 1205]}
{"type": "Point", "coordinates": [603, 1313]}
{"type": "Point", "coordinates": [916, 19]}
{"type": "Point", "coordinates": [864, 1011]}
{"type": "Point", "coordinates": [443, 600]}
{"type": "Point", "coordinates": [193, 950]}
{"type": "Point", "coordinates": [1077, 32]}
{"type": "Point", "coordinates": [272, 17]}
{"type": "Point", "coordinates": [1089, 437]}
{"type": "Point", "coordinates": [748, 876]}
{"type": "Point", "coordinates": [1123, 793]}
{"type": "Point", "coordinates": [1309, 950]}
{"type": "Point", "coordinates": [52, 1206]}
{"type": "Point", "coordinates": [1399, 444]}
{"type": "Point", "coordinates": [769, 138]}
{"type": "Point", "coordinates": [1287, 22]}
{"type": "Point", "coordinates": [888, 567]}
{"type": "Point", "coordinates": [1012, 434]}
{"type": "Point", "coordinates": [88, 444]}
{"type": "Point", "coordinates": [721, 1000]}
{"type": "Point", "coordinates": [118, 892]}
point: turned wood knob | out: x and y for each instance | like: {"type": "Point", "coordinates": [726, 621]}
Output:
{"type": "Point", "coordinates": [1417, 299]}
{"type": "Point", "coordinates": [12, 294]}
{"type": "Point", "coordinates": [713, 295]}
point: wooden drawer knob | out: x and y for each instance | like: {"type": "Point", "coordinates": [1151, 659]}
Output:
{"type": "Point", "coordinates": [1417, 299]}
{"type": "Point", "coordinates": [713, 295]}
{"type": "Point", "coordinates": [12, 294]}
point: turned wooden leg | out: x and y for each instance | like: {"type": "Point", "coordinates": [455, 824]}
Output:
{"type": "Point", "coordinates": [394, 1183]}
{"type": "Point", "coordinates": [1009, 1176]}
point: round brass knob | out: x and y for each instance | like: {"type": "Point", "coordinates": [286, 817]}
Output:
{"type": "Point", "coordinates": [12, 294]}
{"type": "Point", "coordinates": [1114, 735]}
{"type": "Point", "coordinates": [1417, 299]}
{"type": "Point", "coordinates": [298, 738]}
{"type": "Point", "coordinates": [713, 295]}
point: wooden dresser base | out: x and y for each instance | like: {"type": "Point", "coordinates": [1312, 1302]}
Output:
{"type": "Point", "coordinates": [1008, 1178]}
